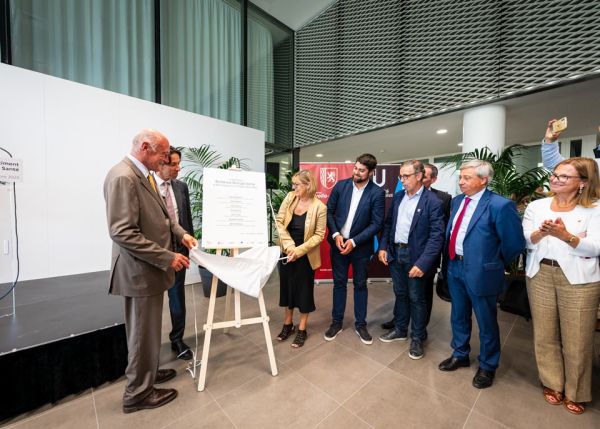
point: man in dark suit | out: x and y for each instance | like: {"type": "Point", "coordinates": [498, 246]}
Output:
{"type": "Point", "coordinates": [429, 178]}
{"type": "Point", "coordinates": [143, 264]}
{"type": "Point", "coordinates": [355, 212]}
{"type": "Point", "coordinates": [484, 234]}
{"type": "Point", "coordinates": [431, 174]}
{"type": "Point", "coordinates": [411, 241]}
{"type": "Point", "coordinates": [177, 199]}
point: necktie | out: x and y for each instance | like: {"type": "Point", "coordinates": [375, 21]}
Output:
{"type": "Point", "coordinates": [152, 182]}
{"type": "Point", "coordinates": [169, 202]}
{"type": "Point", "coordinates": [452, 245]}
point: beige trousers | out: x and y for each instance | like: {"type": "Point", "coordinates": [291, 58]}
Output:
{"type": "Point", "coordinates": [564, 320]}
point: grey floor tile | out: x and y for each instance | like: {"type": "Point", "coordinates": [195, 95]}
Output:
{"type": "Point", "coordinates": [210, 416]}
{"type": "Point", "coordinates": [336, 369]}
{"type": "Point", "coordinates": [76, 414]}
{"type": "Point", "coordinates": [456, 384]}
{"type": "Point", "coordinates": [478, 421]}
{"type": "Point", "coordinates": [391, 400]}
{"type": "Point", "coordinates": [516, 404]}
{"type": "Point", "coordinates": [285, 401]}
{"type": "Point", "coordinates": [342, 419]}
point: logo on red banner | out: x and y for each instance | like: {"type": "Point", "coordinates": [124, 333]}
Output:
{"type": "Point", "coordinates": [329, 177]}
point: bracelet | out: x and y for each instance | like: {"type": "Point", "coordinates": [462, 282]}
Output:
{"type": "Point", "coordinates": [571, 238]}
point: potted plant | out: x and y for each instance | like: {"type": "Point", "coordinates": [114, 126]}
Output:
{"type": "Point", "coordinates": [522, 186]}
{"type": "Point", "coordinates": [277, 192]}
{"type": "Point", "coordinates": [196, 160]}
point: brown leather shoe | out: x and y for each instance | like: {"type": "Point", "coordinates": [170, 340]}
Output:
{"type": "Point", "coordinates": [157, 398]}
{"type": "Point", "coordinates": [164, 375]}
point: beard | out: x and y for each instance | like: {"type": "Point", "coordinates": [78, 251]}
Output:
{"type": "Point", "coordinates": [358, 179]}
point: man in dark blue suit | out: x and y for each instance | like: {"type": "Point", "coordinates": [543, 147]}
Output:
{"type": "Point", "coordinates": [177, 200]}
{"type": "Point", "coordinates": [484, 234]}
{"type": "Point", "coordinates": [429, 178]}
{"type": "Point", "coordinates": [355, 212]}
{"type": "Point", "coordinates": [411, 241]}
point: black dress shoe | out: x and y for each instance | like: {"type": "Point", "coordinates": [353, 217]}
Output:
{"type": "Point", "coordinates": [388, 325]}
{"type": "Point", "coordinates": [453, 363]}
{"type": "Point", "coordinates": [182, 350]}
{"type": "Point", "coordinates": [483, 378]}
{"type": "Point", "coordinates": [164, 375]}
{"type": "Point", "coordinates": [157, 398]}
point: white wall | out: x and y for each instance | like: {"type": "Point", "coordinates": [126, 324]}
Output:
{"type": "Point", "coordinates": [69, 135]}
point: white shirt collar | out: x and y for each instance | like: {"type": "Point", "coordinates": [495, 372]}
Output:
{"type": "Point", "coordinates": [138, 164]}
{"type": "Point", "coordinates": [478, 195]}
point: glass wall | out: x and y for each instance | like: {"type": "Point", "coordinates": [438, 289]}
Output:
{"type": "Point", "coordinates": [103, 43]}
{"type": "Point", "coordinates": [270, 79]}
{"type": "Point", "coordinates": [201, 58]}
{"type": "Point", "coordinates": [186, 54]}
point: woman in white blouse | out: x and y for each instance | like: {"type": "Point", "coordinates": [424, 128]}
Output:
{"type": "Point", "coordinates": [563, 281]}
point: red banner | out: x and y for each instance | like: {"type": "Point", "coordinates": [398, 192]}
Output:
{"type": "Point", "coordinates": [327, 175]}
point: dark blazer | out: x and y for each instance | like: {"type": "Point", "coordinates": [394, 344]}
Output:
{"type": "Point", "coordinates": [493, 239]}
{"type": "Point", "coordinates": [141, 231]}
{"type": "Point", "coordinates": [182, 197]}
{"type": "Point", "coordinates": [368, 219]}
{"type": "Point", "coordinates": [426, 236]}
{"type": "Point", "coordinates": [446, 199]}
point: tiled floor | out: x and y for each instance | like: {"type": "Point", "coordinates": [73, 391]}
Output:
{"type": "Point", "coordinates": [341, 384]}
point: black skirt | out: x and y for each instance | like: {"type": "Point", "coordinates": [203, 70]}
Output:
{"type": "Point", "coordinates": [297, 279]}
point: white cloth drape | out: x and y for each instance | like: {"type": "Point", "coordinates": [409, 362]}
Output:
{"type": "Point", "coordinates": [248, 272]}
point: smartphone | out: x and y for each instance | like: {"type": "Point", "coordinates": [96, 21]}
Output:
{"type": "Point", "coordinates": [559, 125]}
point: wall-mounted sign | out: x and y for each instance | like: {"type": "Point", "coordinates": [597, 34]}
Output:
{"type": "Point", "coordinates": [11, 170]}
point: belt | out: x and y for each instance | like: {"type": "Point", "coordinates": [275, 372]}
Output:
{"type": "Point", "coordinates": [550, 262]}
{"type": "Point", "coordinates": [402, 245]}
{"type": "Point", "coordinates": [459, 258]}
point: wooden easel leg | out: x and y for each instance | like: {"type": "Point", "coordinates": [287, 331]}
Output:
{"type": "Point", "coordinates": [237, 308]}
{"type": "Point", "coordinates": [268, 340]}
{"type": "Point", "coordinates": [227, 307]}
{"type": "Point", "coordinates": [207, 333]}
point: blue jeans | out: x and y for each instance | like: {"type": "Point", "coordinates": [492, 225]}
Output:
{"type": "Point", "coordinates": [410, 302]}
{"type": "Point", "coordinates": [339, 266]}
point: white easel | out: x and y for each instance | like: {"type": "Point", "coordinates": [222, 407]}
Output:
{"type": "Point", "coordinates": [236, 322]}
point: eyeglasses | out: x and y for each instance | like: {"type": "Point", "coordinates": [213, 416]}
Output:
{"type": "Point", "coordinates": [562, 178]}
{"type": "Point", "coordinates": [406, 176]}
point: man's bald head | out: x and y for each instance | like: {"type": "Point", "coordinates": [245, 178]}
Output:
{"type": "Point", "coordinates": [151, 148]}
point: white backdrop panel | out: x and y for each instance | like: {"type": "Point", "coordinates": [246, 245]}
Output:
{"type": "Point", "coordinates": [69, 135]}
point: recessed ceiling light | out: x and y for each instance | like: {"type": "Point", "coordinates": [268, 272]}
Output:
{"type": "Point", "coordinates": [442, 131]}
{"type": "Point", "coordinates": [348, 161]}
{"type": "Point", "coordinates": [319, 155]}
{"type": "Point", "coordinates": [460, 144]}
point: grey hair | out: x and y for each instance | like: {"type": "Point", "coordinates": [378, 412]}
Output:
{"type": "Point", "coordinates": [482, 168]}
{"type": "Point", "coordinates": [146, 135]}
{"type": "Point", "coordinates": [416, 165]}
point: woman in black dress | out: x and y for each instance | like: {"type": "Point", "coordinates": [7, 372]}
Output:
{"type": "Point", "coordinates": [301, 223]}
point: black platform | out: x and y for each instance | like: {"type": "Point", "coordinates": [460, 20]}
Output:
{"type": "Point", "coordinates": [67, 335]}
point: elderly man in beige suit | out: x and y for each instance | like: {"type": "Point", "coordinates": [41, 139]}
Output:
{"type": "Point", "coordinates": [143, 264]}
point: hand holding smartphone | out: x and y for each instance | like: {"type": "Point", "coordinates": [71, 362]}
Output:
{"type": "Point", "coordinates": [559, 125]}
